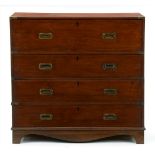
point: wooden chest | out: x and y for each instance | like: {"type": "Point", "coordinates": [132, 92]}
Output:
{"type": "Point", "coordinates": [77, 77]}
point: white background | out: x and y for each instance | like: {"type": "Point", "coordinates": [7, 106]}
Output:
{"type": "Point", "coordinates": [8, 7]}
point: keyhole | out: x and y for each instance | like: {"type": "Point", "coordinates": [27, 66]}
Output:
{"type": "Point", "coordinates": [77, 24]}
{"type": "Point", "coordinates": [77, 58]}
{"type": "Point", "coordinates": [78, 109]}
{"type": "Point", "coordinates": [78, 83]}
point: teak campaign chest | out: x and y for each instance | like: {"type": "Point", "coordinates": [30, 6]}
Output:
{"type": "Point", "coordinates": [77, 77]}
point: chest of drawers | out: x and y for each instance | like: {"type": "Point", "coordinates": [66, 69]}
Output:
{"type": "Point", "coordinates": [77, 77]}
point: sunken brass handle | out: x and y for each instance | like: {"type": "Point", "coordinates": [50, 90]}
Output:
{"type": "Point", "coordinates": [110, 91]}
{"type": "Point", "coordinates": [45, 35]}
{"type": "Point", "coordinates": [45, 66]}
{"type": "Point", "coordinates": [46, 116]}
{"type": "Point", "coordinates": [108, 35]}
{"type": "Point", "coordinates": [109, 66]}
{"type": "Point", "coordinates": [45, 91]}
{"type": "Point", "coordinates": [110, 117]}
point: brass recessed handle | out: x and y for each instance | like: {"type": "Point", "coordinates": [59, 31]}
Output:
{"type": "Point", "coordinates": [108, 35]}
{"type": "Point", "coordinates": [46, 91]}
{"type": "Point", "coordinates": [111, 116]}
{"type": "Point", "coordinates": [110, 91]}
{"type": "Point", "coordinates": [46, 116]}
{"type": "Point", "coordinates": [109, 66]}
{"type": "Point", "coordinates": [45, 66]}
{"type": "Point", "coordinates": [45, 35]}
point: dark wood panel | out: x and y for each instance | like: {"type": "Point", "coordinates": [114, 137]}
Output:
{"type": "Point", "coordinates": [28, 66]}
{"type": "Point", "coordinates": [78, 90]}
{"type": "Point", "coordinates": [80, 116]}
{"type": "Point", "coordinates": [73, 35]}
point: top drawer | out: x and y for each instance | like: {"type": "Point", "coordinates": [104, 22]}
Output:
{"type": "Point", "coordinates": [76, 35]}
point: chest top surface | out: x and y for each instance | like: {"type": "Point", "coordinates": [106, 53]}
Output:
{"type": "Point", "coordinates": [23, 15]}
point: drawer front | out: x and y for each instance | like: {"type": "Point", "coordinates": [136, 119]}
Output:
{"type": "Point", "coordinates": [78, 116]}
{"type": "Point", "coordinates": [77, 90]}
{"type": "Point", "coordinates": [50, 66]}
{"type": "Point", "coordinates": [57, 36]}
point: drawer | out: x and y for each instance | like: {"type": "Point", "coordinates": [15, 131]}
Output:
{"type": "Point", "coordinates": [62, 36]}
{"type": "Point", "coordinates": [78, 116]}
{"type": "Point", "coordinates": [52, 66]}
{"type": "Point", "coordinates": [77, 90]}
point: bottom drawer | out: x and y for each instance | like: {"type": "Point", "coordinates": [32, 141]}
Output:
{"type": "Point", "coordinates": [78, 116]}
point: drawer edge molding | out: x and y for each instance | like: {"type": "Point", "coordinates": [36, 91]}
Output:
{"type": "Point", "coordinates": [77, 128]}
